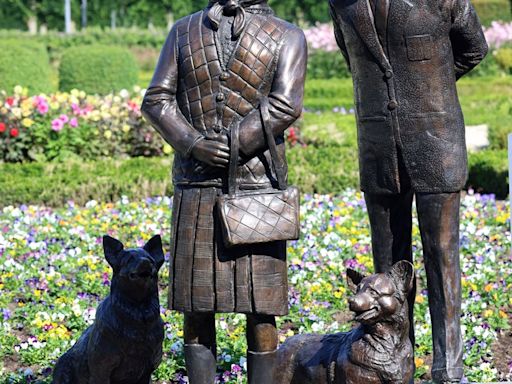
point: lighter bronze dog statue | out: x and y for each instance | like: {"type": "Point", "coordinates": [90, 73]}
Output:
{"type": "Point", "coordinates": [377, 351]}
{"type": "Point", "coordinates": [124, 345]}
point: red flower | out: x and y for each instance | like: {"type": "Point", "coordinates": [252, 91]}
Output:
{"type": "Point", "coordinates": [15, 132]}
{"type": "Point", "coordinates": [10, 101]}
{"type": "Point", "coordinates": [2, 127]}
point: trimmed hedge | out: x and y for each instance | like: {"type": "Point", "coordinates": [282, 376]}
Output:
{"type": "Point", "coordinates": [24, 63]}
{"type": "Point", "coordinates": [489, 172]}
{"type": "Point", "coordinates": [326, 169]}
{"type": "Point", "coordinates": [98, 69]}
{"type": "Point", "coordinates": [504, 59]}
{"type": "Point", "coordinates": [493, 10]}
{"type": "Point", "coordinates": [327, 65]}
{"type": "Point", "coordinates": [55, 184]}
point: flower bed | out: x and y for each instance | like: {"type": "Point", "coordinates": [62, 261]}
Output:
{"type": "Point", "coordinates": [52, 275]}
{"type": "Point", "coordinates": [499, 34]}
{"type": "Point", "coordinates": [47, 127]}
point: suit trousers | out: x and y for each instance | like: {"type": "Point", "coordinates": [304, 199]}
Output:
{"type": "Point", "coordinates": [391, 227]}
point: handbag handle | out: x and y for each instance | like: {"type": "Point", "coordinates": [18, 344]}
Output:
{"type": "Point", "coordinates": [277, 162]}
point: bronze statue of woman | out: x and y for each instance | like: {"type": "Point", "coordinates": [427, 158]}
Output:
{"type": "Point", "coordinates": [215, 69]}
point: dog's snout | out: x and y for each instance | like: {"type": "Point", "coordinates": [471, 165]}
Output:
{"type": "Point", "coordinates": [359, 303]}
{"type": "Point", "coordinates": [145, 269]}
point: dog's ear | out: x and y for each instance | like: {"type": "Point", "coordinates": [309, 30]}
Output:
{"type": "Point", "coordinates": [154, 248]}
{"type": "Point", "coordinates": [403, 275]}
{"type": "Point", "coordinates": [354, 278]}
{"type": "Point", "coordinates": [112, 249]}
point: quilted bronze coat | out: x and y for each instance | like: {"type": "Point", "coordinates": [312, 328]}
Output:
{"type": "Point", "coordinates": [404, 88]}
{"type": "Point", "coordinates": [208, 81]}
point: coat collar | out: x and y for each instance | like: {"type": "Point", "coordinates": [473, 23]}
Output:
{"type": "Point", "coordinates": [361, 15]}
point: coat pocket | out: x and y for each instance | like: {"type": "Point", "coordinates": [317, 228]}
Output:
{"type": "Point", "coordinates": [419, 47]}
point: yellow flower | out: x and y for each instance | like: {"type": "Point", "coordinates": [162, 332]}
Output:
{"type": "Point", "coordinates": [126, 129]}
{"type": "Point", "coordinates": [107, 134]}
{"type": "Point", "coordinates": [27, 122]}
{"type": "Point", "coordinates": [419, 362]}
{"type": "Point", "coordinates": [503, 315]}
{"type": "Point", "coordinates": [419, 299]}
{"type": "Point", "coordinates": [488, 287]}
{"type": "Point", "coordinates": [18, 90]}
{"type": "Point", "coordinates": [488, 313]}
{"type": "Point", "coordinates": [167, 149]}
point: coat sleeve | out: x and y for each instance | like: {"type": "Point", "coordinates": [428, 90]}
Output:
{"type": "Point", "coordinates": [467, 37]}
{"type": "Point", "coordinates": [338, 34]}
{"type": "Point", "coordinates": [286, 96]}
{"type": "Point", "coordinates": [159, 106]}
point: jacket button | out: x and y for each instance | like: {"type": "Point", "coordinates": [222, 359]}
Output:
{"type": "Point", "coordinates": [388, 74]}
{"type": "Point", "coordinates": [221, 97]}
{"type": "Point", "coordinates": [224, 76]}
{"type": "Point", "coordinates": [392, 105]}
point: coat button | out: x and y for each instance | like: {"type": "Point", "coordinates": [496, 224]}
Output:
{"type": "Point", "coordinates": [388, 74]}
{"type": "Point", "coordinates": [221, 97]}
{"type": "Point", "coordinates": [224, 76]}
{"type": "Point", "coordinates": [392, 105]}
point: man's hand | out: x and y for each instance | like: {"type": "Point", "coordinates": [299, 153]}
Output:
{"type": "Point", "coordinates": [211, 152]}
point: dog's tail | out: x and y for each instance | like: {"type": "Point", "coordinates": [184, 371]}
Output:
{"type": "Point", "coordinates": [63, 373]}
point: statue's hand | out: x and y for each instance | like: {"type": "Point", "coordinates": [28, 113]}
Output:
{"type": "Point", "coordinates": [211, 152]}
{"type": "Point", "coordinates": [219, 137]}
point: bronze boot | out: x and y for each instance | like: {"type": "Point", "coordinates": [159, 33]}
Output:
{"type": "Point", "coordinates": [260, 367]}
{"type": "Point", "coordinates": [201, 364]}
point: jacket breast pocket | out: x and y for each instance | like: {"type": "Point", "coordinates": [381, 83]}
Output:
{"type": "Point", "coordinates": [419, 47]}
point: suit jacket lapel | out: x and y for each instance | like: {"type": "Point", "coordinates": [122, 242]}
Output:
{"type": "Point", "coordinates": [364, 23]}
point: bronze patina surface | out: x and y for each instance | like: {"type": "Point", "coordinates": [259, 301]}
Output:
{"type": "Point", "coordinates": [405, 57]}
{"type": "Point", "coordinates": [377, 351]}
{"type": "Point", "coordinates": [215, 69]}
{"type": "Point", "coordinates": [124, 345]}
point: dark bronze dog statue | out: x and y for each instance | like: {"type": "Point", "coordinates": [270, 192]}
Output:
{"type": "Point", "coordinates": [377, 351]}
{"type": "Point", "coordinates": [124, 345]}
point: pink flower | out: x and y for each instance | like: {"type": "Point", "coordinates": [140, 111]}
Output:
{"type": "Point", "coordinates": [64, 118]}
{"type": "Point", "coordinates": [42, 108]}
{"type": "Point", "coordinates": [57, 125]}
{"type": "Point", "coordinates": [73, 122]}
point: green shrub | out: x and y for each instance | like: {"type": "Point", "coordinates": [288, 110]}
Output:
{"type": "Point", "coordinates": [328, 129]}
{"type": "Point", "coordinates": [97, 69]}
{"type": "Point", "coordinates": [54, 184]}
{"type": "Point", "coordinates": [492, 10]}
{"type": "Point", "coordinates": [24, 63]}
{"type": "Point", "coordinates": [504, 59]}
{"type": "Point", "coordinates": [327, 65]}
{"type": "Point", "coordinates": [488, 67]}
{"type": "Point", "coordinates": [326, 169]}
{"type": "Point", "coordinates": [325, 95]}
{"type": "Point", "coordinates": [488, 172]}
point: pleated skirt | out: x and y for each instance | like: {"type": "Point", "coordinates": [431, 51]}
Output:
{"type": "Point", "coordinates": [205, 276]}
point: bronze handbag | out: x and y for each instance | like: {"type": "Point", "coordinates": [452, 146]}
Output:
{"type": "Point", "coordinates": [259, 216]}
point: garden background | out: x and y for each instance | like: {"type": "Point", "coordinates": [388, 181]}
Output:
{"type": "Point", "coordinates": [77, 161]}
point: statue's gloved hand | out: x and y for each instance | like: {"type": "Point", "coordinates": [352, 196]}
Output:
{"type": "Point", "coordinates": [211, 152]}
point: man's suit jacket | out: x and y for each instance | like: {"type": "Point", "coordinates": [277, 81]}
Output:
{"type": "Point", "coordinates": [404, 89]}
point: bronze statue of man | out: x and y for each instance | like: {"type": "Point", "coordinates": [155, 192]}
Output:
{"type": "Point", "coordinates": [405, 57]}
{"type": "Point", "coordinates": [215, 68]}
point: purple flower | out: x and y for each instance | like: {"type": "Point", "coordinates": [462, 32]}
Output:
{"type": "Point", "coordinates": [73, 122]}
{"type": "Point", "coordinates": [6, 313]}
